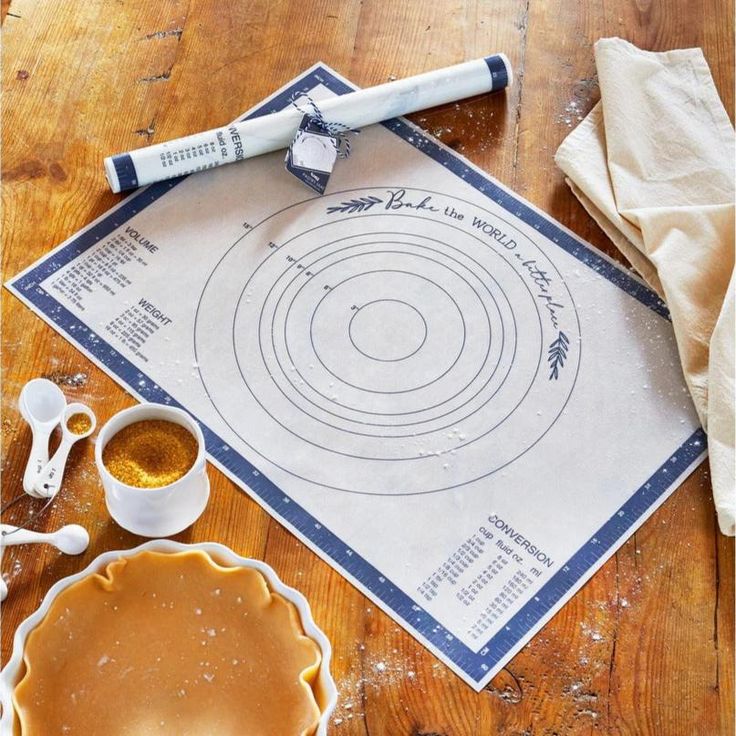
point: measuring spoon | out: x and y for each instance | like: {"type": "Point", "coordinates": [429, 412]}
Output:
{"type": "Point", "coordinates": [42, 405]}
{"type": "Point", "coordinates": [71, 539]}
{"type": "Point", "coordinates": [48, 482]}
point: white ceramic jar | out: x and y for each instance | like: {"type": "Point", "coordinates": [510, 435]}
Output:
{"type": "Point", "coordinates": [155, 512]}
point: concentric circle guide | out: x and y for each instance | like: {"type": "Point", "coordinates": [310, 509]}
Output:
{"type": "Point", "coordinates": [385, 352]}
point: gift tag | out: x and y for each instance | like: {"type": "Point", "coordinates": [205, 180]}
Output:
{"type": "Point", "coordinates": [312, 154]}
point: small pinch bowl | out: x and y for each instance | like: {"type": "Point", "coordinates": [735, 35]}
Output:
{"type": "Point", "coordinates": [325, 689]}
{"type": "Point", "coordinates": [155, 512]}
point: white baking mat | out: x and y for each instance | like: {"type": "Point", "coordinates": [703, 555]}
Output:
{"type": "Point", "coordinates": [452, 399]}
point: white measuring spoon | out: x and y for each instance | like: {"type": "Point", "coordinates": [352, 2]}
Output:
{"type": "Point", "coordinates": [49, 480]}
{"type": "Point", "coordinates": [41, 404]}
{"type": "Point", "coordinates": [71, 539]}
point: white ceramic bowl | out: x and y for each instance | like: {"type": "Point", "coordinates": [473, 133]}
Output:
{"type": "Point", "coordinates": [325, 688]}
{"type": "Point", "coordinates": [155, 512]}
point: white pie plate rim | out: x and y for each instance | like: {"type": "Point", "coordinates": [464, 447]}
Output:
{"type": "Point", "coordinates": [220, 553]}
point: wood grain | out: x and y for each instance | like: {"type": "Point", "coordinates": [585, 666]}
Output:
{"type": "Point", "coordinates": [647, 646]}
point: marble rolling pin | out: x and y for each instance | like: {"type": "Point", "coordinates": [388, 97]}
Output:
{"type": "Point", "coordinates": [247, 138]}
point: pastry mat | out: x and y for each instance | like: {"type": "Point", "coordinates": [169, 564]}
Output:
{"type": "Point", "coordinates": [452, 399]}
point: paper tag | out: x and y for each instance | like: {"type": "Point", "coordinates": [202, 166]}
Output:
{"type": "Point", "coordinates": [312, 154]}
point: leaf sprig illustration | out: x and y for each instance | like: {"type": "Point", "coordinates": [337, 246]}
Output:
{"type": "Point", "coordinates": [557, 354]}
{"type": "Point", "coordinates": [354, 205]}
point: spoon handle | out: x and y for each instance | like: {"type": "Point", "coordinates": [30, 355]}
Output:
{"type": "Point", "coordinates": [38, 458]}
{"type": "Point", "coordinates": [48, 482]}
{"type": "Point", "coordinates": [11, 535]}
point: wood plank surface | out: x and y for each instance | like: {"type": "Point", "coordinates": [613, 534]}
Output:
{"type": "Point", "coordinates": [647, 645]}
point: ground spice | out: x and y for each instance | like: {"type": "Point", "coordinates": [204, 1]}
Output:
{"type": "Point", "coordinates": [151, 453]}
{"type": "Point", "coordinates": [79, 423]}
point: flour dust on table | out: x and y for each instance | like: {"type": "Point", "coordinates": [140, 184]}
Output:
{"type": "Point", "coordinates": [449, 397]}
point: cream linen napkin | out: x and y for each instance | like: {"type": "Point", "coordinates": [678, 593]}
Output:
{"type": "Point", "coordinates": [653, 164]}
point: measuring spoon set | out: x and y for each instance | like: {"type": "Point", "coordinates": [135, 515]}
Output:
{"type": "Point", "coordinates": [43, 405]}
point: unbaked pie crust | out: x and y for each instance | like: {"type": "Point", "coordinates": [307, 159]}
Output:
{"type": "Point", "coordinates": [169, 644]}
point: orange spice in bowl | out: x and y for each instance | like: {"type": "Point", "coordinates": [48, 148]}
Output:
{"type": "Point", "coordinates": [150, 453]}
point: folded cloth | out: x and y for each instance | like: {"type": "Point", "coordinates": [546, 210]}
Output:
{"type": "Point", "coordinates": [653, 164]}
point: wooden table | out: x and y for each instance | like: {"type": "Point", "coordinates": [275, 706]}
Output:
{"type": "Point", "coordinates": [86, 79]}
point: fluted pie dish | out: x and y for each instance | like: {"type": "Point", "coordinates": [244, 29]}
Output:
{"type": "Point", "coordinates": [167, 639]}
